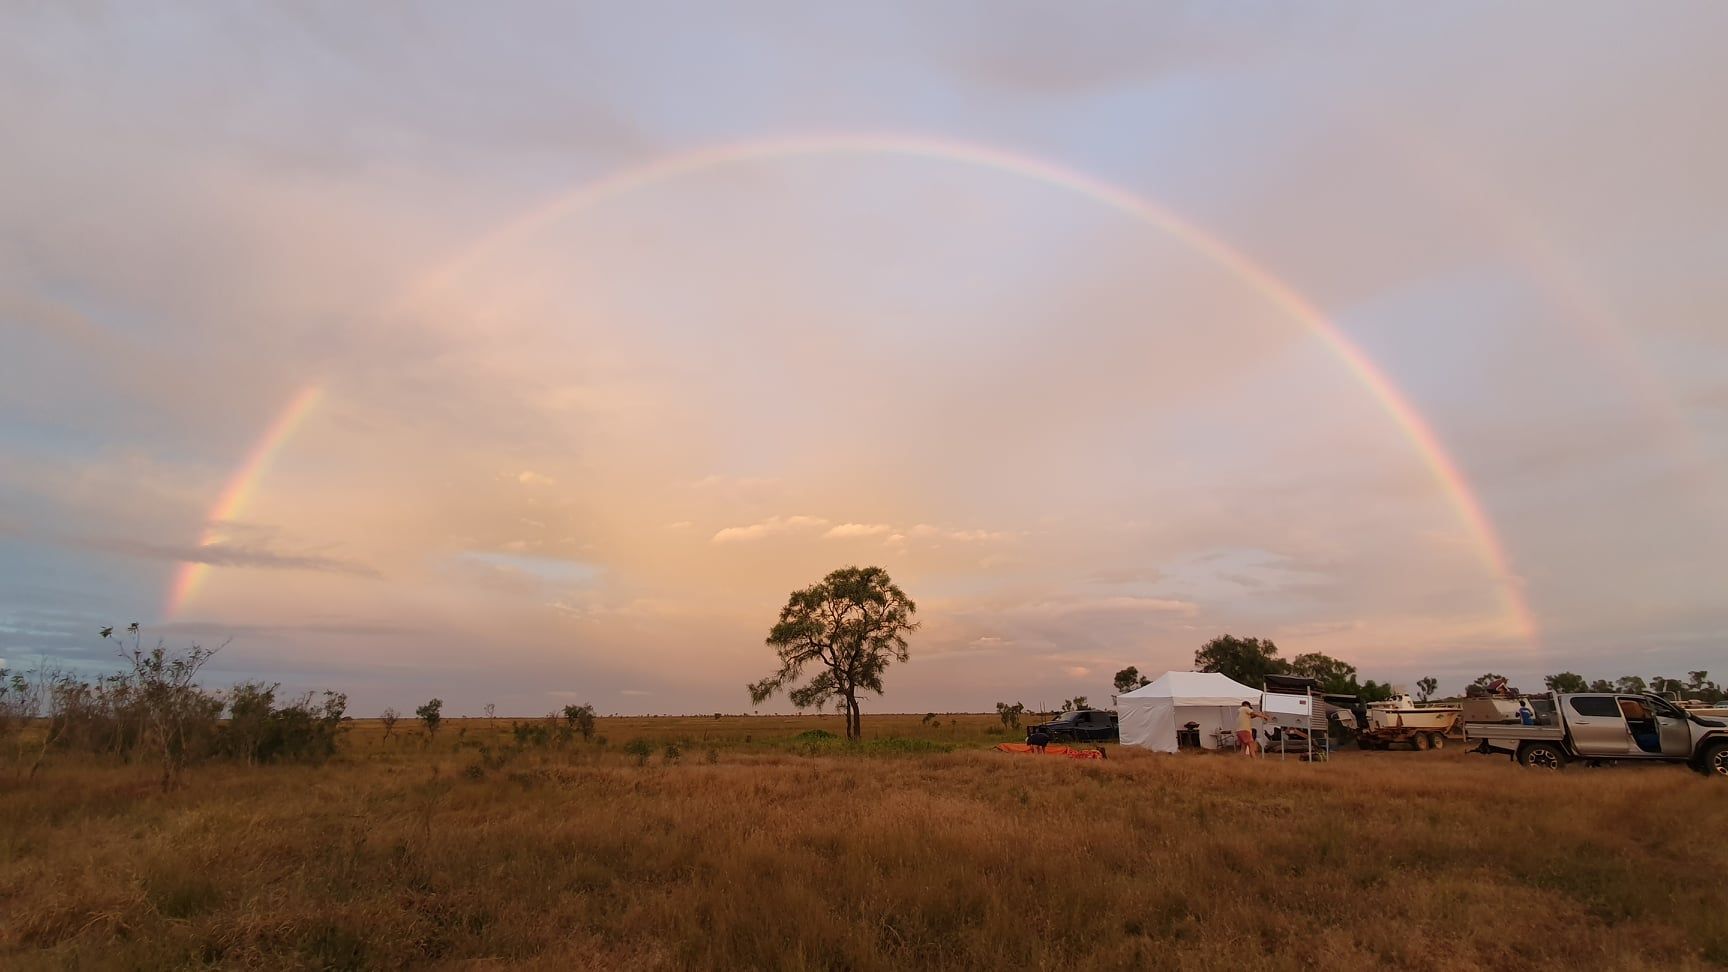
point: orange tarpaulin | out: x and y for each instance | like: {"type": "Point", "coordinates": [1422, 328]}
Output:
{"type": "Point", "coordinates": [1050, 750]}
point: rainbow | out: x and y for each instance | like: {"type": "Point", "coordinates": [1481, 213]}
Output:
{"type": "Point", "coordinates": [1428, 446]}
{"type": "Point", "coordinates": [242, 486]}
{"type": "Point", "coordinates": [1415, 429]}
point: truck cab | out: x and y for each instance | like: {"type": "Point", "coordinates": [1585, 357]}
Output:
{"type": "Point", "coordinates": [1608, 727]}
{"type": "Point", "coordinates": [1085, 725]}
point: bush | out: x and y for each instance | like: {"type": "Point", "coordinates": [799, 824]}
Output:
{"type": "Point", "coordinates": [672, 753]}
{"type": "Point", "coordinates": [640, 749]}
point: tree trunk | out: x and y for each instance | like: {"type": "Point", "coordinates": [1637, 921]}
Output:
{"type": "Point", "coordinates": [854, 725]}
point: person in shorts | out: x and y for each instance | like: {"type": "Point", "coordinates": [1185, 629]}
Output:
{"type": "Point", "coordinates": [1245, 717]}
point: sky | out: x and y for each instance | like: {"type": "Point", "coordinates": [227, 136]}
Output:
{"type": "Point", "coordinates": [533, 353]}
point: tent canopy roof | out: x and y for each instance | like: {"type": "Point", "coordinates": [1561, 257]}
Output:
{"type": "Point", "coordinates": [1193, 688]}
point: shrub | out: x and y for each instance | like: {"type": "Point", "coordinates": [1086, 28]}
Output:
{"type": "Point", "coordinates": [431, 714]}
{"type": "Point", "coordinates": [579, 718]}
{"type": "Point", "coordinates": [671, 753]}
{"type": "Point", "coordinates": [640, 749]}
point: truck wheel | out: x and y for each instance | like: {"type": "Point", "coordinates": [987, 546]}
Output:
{"type": "Point", "coordinates": [1542, 756]}
{"type": "Point", "coordinates": [1362, 743]}
{"type": "Point", "coordinates": [1714, 760]}
{"type": "Point", "coordinates": [1436, 741]}
{"type": "Point", "coordinates": [1421, 741]}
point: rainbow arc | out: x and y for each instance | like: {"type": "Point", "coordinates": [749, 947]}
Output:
{"type": "Point", "coordinates": [1415, 429]}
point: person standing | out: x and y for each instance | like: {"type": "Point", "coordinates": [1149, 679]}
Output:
{"type": "Point", "coordinates": [1245, 717]}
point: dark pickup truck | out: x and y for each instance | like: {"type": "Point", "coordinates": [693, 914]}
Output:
{"type": "Point", "coordinates": [1086, 725]}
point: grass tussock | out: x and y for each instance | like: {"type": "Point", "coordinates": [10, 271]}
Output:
{"type": "Point", "coordinates": [921, 848]}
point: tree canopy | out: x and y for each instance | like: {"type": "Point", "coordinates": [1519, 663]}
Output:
{"type": "Point", "coordinates": [1247, 660]}
{"type": "Point", "coordinates": [850, 627]}
{"type": "Point", "coordinates": [1250, 660]}
{"type": "Point", "coordinates": [1129, 679]}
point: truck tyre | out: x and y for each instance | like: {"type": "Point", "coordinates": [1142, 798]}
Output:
{"type": "Point", "coordinates": [1542, 756]}
{"type": "Point", "coordinates": [1436, 741]}
{"type": "Point", "coordinates": [1362, 743]}
{"type": "Point", "coordinates": [1421, 741]}
{"type": "Point", "coordinates": [1713, 761]}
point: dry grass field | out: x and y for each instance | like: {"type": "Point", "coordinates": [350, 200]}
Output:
{"type": "Point", "coordinates": [921, 849]}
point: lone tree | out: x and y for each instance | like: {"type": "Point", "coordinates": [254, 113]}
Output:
{"type": "Point", "coordinates": [431, 714]}
{"type": "Point", "coordinates": [1426, 687]}
{"type": "Point", "coordinates": [852, 626]}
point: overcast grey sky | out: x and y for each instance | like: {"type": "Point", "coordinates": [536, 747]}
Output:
{"type": "Point", "coordinates": [586, 455]}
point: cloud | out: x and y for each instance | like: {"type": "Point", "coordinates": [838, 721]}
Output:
{"type": "Point", "coordinates": [223, 554]}
{"type": "Point", "coordinates": [362, 629]}
{"type": "Point", "coordinates": [1057, 607]}
{"type": "Point", "coordinates": [773, 526]}
{"type": "Point", "coordinates": [928, 531]}
{"type": "Point", "coordinates": [851, 530]}
{"type": "Point", "coordinates": [529, 477]}
{"type": "Point", "coordinates": [1126, 575]}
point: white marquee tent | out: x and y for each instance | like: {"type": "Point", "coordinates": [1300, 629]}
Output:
{"type": "Point", "coordinates": [1150, 715]}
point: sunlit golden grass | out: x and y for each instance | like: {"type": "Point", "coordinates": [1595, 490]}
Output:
{"type": "Point", "coordinates": [782, 854]}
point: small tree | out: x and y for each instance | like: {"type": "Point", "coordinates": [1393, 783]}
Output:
{"type": "Point", "coordinates": [1010, 714]}
{"type": "Point", "coordinates": [168, 696]}
{"type": "Point", "coordinates": [1074, 704]}
{"type": "Point", "coordinates": [1631, 685]}
{"type": "Point", "coordinates": [250, 706]}
{"type": "Point", "coordinates": [1601, 685]}
{"type": "Point", "coordinates": [852, 625]}
{"type": "Point", "coordinates": [389, 718]}
{"type": "Point", "coordinates": [580, 719]}
{"type": "Point", "coordinates": [1566, 682]}
{"type": "Point", "coordinates": [490, 709]}
{"type": "Point", "coordinates": [431, 714]}
{"type": "Point", "coordinates": [51, 696]}
{"type": "Point", "coordinates": [1426, 687]}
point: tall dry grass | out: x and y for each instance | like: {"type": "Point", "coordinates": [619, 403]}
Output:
{"type": "Point", "coordinates": [781, 853]}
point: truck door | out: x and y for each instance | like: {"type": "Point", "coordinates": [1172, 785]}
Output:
{"type": "Point", "coordinates": [1597, 727]}
{"type": "Point", "coordinates": [1675, 729]}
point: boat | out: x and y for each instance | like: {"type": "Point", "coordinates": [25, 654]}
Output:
{"type": "Point", "coordinates": [1403, 712]}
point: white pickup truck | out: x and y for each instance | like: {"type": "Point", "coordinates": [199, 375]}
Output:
{"type": "Point", "coordinates": [1601, 727]}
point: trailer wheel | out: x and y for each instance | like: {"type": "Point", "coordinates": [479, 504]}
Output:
{"type": "Point", "coordinates": [1362, 743]}
{"type": "Point", "coordinates": [1714, 760]}
{"type": "Point", "coordinates": [1542, 756]}
{"type": "Point", "coordinates": [1421, 741]}
{"type": "Point", "coordinates": [1436, 741]}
